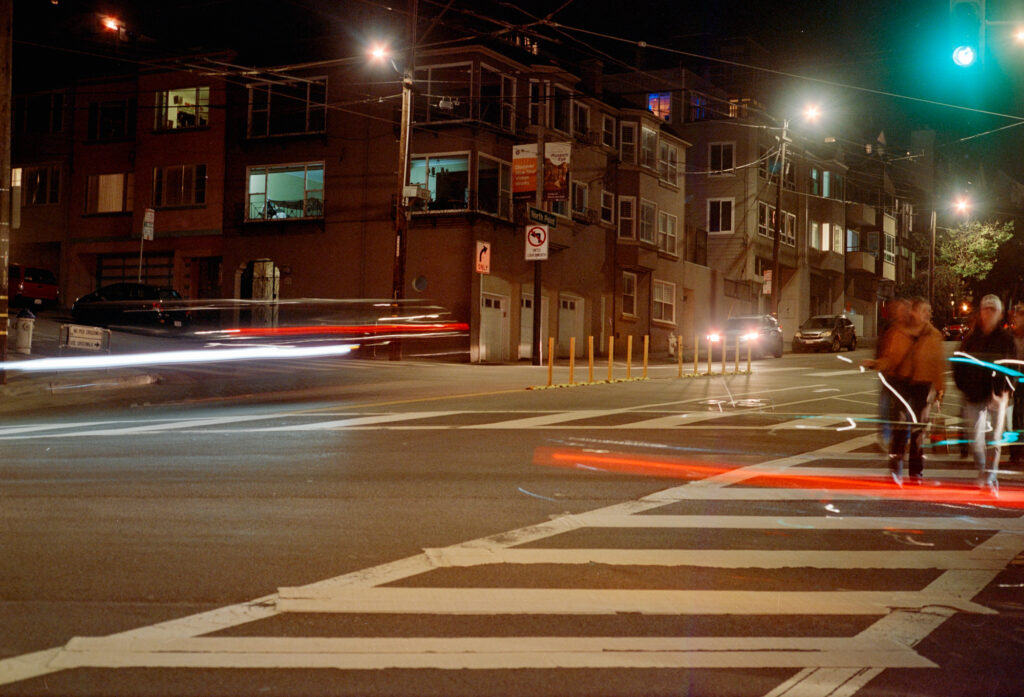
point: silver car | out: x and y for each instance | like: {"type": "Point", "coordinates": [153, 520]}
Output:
{"type": "Point", "coordinates": [825, 333]}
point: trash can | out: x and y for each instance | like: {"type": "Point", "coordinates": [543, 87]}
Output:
{"type": "Point", "coordinates": [23, 331]}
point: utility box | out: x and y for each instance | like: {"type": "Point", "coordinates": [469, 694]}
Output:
{"type": "Point", "coordinates": [23, 328]}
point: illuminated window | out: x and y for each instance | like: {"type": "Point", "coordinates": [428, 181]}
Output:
{"type": "Point", "coordinates": [447, 178]}
{"type": "Point", "coordinates": [660, 104]}
{"type": "Point", "coordinates": [286, 191]}
{"type": "Point", "coordinates": [188, 107]}
{"type": "Point", "coordinates": [109, 193]}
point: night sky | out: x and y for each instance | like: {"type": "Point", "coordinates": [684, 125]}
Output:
{"type": "Point", "coordinates": [901, 48]}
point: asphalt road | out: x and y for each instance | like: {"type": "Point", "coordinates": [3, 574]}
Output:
{"type": "Point", "coordinates": [355, 528]}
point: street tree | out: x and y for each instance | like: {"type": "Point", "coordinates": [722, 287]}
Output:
{"type": "Point", "coordinates": [967, 254]}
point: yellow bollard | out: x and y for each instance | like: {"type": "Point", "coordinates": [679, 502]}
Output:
{"type": "Point", "coordinates": [590, 358]}
{"type": "Point", "coordinates": [647, 342]}
{"type": "Point", "coordinates": [748, 357]}
{"type": "Point", "coordinates": [679, 353]}
{"type": "Point", "coordinates": [572, 360]}
{"type": "Point", "coordinates": [611, 356]}
{"type": "Point", "coordinates": [736, 366]}
{"type": "Point", "coordinates": [725, 345]}
{"type": "Point", "coordinates": [551, 360]}
{"type": "Point", "coordinates": [696, 355]}
{"type": "Point", "coordinates": [710, 353]}
{"type": "Point", "coordinates": [629, 356]}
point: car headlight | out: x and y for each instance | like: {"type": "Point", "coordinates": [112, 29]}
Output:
{"type": "Point", "coordinates": [750, 336]}
{"type": "Point", "coordinates": [826, 333]}
{"type": "Point", "coordinates": [714, 337]}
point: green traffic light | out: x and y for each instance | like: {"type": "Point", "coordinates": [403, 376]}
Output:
{"type": "Point", "coordinates": [964, 56]}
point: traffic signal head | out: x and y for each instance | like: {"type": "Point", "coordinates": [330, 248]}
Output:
{"type": "Point", "coordinates": [966, 22]}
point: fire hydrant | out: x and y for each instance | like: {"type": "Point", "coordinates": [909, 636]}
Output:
{"type": "Point", "coordinates": [23, 331]}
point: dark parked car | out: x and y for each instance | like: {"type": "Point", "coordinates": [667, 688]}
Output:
{"type": "Point", "coordinates": [760, 332]}
{"type": "Point", "coordinates": [32, 287]}
{"type": "Point", "coordinates": [955, 330]}
{"type": "Point", "coordinates": [825, 333]}
{"type": "Point", "coordinates": [131, 304]}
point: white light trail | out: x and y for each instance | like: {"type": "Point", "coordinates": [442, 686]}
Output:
{"type": "Point", "coordinates": [128, 360]}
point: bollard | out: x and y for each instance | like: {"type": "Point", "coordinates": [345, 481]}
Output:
{"type": "Point", "coordinates": [647, 341]}
{"type": "Point", "coordinates": [748, 357]}
{"type": "Point", "coordinates": [725, 345]}
{"type": "Point", "coordinates": [572, 360]}
{"type": "Point", "coordinates": [710, 352]}
{"type": "Point", "coordinates": [23, 331]}
{"type": "Point", "coordinates": [629, 356]}
{"type": "Point", "coordinates": [590, 358]}
{"type": "Point", "coordinates": [611, 356]}
{"type": "Point", "coordinates": [551, 360]}
{"type": "Point", "coordinates": [696, 355]}
{"type": "Point", "coordinates": [679, 353]}
{"type": "Point", "coordinates": [736, 365]}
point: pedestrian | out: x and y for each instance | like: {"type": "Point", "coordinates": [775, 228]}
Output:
{"type": "Point", "coordinates": [895, 313]}
{"type": "Point", "coordinates": [986, 389]}
{"type": "Point", "coordinates": [913, 372]}
{"type": "Point", "coordinates": [1017, 407]}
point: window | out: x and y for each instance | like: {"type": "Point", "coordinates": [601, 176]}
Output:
{"type": "Point", "coordinates": [814, 235]}
{"type": "Point", "coordinates": [663, 301]}
{"type": "Point", "coordinates": [837, 238]}
{"type": "Point", "coordinates": [538, 103]}
{"type": "Point", "coordinates": [667, 235]}
{"type": "Point", "coordinates": [41, 185]}
{"type": "Point", "coordinates": [443, 93]}
{"type": "Point", "coordinates": [111, 120]}
{"type": "Point", "coordinates": [183, 185]}
{"type": "Point", "coordinates": [766, 163]}
{"type": "Point", "coordinates": [580, 120]}
{"type": "Point", "coordinates": [288, 108]}
{"type": "Point", "coordinates": [837, 187]}
{"type": "Point", "coordinates": [720, 158]}
{"type": "Point", "coordinates": [494, 187]}
{"type": "Point", "coordinates": [852, 241]}
{"type": "Point", "coordinates": [889, 256]}
{"type": "Point", "coordinates": [563, 110]}
{"type": "Point", "coordinates": [447, 178]}
{"type": "Point", "coordinates": [560, 208]}
{"type": "Point", "coordinates": [608, 130]}
{"type": "Point", "coordinates": [826, 236]}
{"type": "Point", "coordinates": [668, 164]}
{"type": "Point", "coordinates": [698, 107]}
{"type": "Point", "coordinates": [789, 228]}
{"type": "Point", "coordinates": [286, 191]}
{"type": "Point", "coordinates": [497, 98]}
{"type": "Point", "coordinates": [765, 220]}
{"type": "Point", "coordinates": [648, 211]}
{"type": "Point", "coordinates": [39, 113]}
{"type": "Point", "coordinates": [720, 215]}
{"type": "Point", "coordinates": [580, 197]}
{"type": "Point", "coordinates": [629, 293]}
{"type": "Point", "coordinates": [815, 182]}
{"type": "Point", "coordinates": [188, 107]}
{"type": "Point", "coordinates": [648, 147]}
{"type": "Point", "coordinates": [627, 142]}
{"type": "Point", "coordinates": [789, 177]}
{"type": "Point", "coordinates": [109, 193]}
{"type": "Point", "coordinates": [660, 104]}
{"type": "Point", "coordinates": [826, 184]}
{"type": "Point", "coordinates": [607, 207]}
{"type": "Point", "coordinates": [627, 206]}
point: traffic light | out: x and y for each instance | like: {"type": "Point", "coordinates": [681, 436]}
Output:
{"type": "Point", "coordinates": [967, 31]}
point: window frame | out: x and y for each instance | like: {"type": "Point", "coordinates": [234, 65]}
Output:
{"type": "Point", "coordinates": [766, 220]}
{"type": "Point", "coordinates": [647, 222]}
{"type": "Point", "coordinates": [663, 289]}
{"type": "Point", "coordinates": [789, 228]}
{"type": "Point", "coordinates": [560, 96]}
{"type": "Point", "coordinates": [663, 100]}
{"type": "Point", "coordinates": [163, 106]}
{"type": "Point", "coordinates": [426, 157]}
{"type": "Point", "coordinates": [127, 185]}
{"type": "Point", "coordinates": [608, 134]}
{"type": "Point", "coordinates": [310, 107]}
{"type": "Point", "coordinates": [711, 202]}
{"type": "Point", "coordinates": [579, 110]}
{"type": "Point", "coordinates": [306, 167]}
{"type": "Point", "coordinates": [629, 283]}
{"type": "Point", "coordinates": [504, 101]}
{"type": "Point", "coordinates": [578, 187]}
{"type": "Point", "coordinates": [889, 249]}
{"type": "Point", "coordinates": [648, 148]}
{"type": "Point", "coordinates": [668, 168]}
{"type": "Point", "coordinates": [722, 147]}
{"type": "Point", "coordinates": [671, 239]}
{"type": "Point", "coordinates": [160, 184]}
{"type": "Point", "coordinates": [607, 204]}
{"type": "Point", "coordinates": [51, 187]}
{"type": "Point", "coordinates": [100, 111]}
{"type": "Point", "coordinates": [630, 219]}
{"type": "Point", "coordinates": [538, 102]}
{"type": "Point", "coordinates": [504, 197]}
{"type": "Point", "coordinates": [628, 145]}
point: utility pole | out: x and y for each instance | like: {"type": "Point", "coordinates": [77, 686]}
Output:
{"type": "Point", "coordinates": [776, 281]}
{"type": "Point", "coordinates": [401, 210]}
{"type": "Point", "coordinates": [931, 265]}
{"type": "Point", "coordinates": [538, 301]}
{"type": "Point", "coordinates": [6, 39]}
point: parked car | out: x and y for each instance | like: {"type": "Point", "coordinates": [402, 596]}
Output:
{"type": "Point", "coordinates": [760, 332]}
{"type": "Point", "coordinates": [825, 332]}
{"type": "Point", "coordinates": [131, 304]}
{"type": "Point", "coordinates": [32, 287]}
{"type": "Point", "coordinates": [955, 330]}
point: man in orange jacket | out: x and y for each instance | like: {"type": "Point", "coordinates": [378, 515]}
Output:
{"type": "Point", "coordinates": [912, 365]}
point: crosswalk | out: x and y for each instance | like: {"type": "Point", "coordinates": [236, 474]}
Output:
{"type": "Point", "coordinates": [911, 572]}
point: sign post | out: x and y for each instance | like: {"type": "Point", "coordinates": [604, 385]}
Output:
{"type": "Point", "coordinates": [483, 257]}
{"type": "Point", "coordinates": [147, 234]}
{"type": "Point", "coordinates": [536, 242]}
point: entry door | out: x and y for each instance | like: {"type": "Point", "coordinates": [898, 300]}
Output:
{"type": "Point", "coordinates": [570, 324]}
{"type": "Point", "coordinates": [526, 326]}
{"type": "Point", "coordinates": [493, 328]}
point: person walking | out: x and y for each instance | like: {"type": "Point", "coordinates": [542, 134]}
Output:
{"type": "Point", "coordinates": [1017, 409]}
{"type": "Point", "coordinates": [986, 390]}
{"type": "Point", "coordinates": [895, 313]}
{"type": "Point", "coordinates": [913, 371]}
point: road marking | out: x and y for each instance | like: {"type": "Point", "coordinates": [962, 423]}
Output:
{"type": "Point", "coordinates": [375, 420]}
{"type": "Point", "coordinates": [832, 373]}
{"type": "Point", "coordinates": [486, 653]}
{"type": "Point", "coordinates": [743, 522]}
